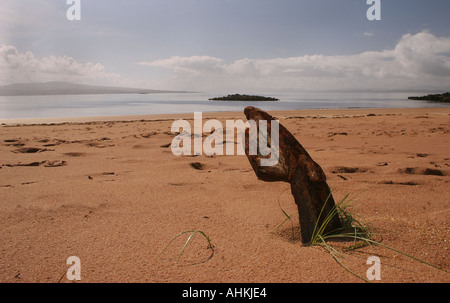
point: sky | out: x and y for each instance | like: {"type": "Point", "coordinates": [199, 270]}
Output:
{"type": "Point", "coordinates": [228, 45]}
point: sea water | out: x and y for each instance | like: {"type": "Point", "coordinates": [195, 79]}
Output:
{"type": "Point", "coordinates": [56, 106]}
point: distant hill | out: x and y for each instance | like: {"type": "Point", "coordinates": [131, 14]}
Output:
{"type": "Point", "coordinates": [67, 88]}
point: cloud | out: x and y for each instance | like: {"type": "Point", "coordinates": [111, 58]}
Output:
{"type": "Point", "coordinates": [19, 67]}
{"type": "Point", "coordinates": [187, 62]}
{"type": "Point", "coordinates": [424, 54]}
{"type": "Point", "coordinates": [420, 60]}
{"type": "Point", "coordinates": [194, 64]}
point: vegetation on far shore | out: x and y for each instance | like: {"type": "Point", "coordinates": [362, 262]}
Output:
{"type": "Point", "coordinates": [445, 97]}
{"type": "Point", "coordinates": [239, 97]}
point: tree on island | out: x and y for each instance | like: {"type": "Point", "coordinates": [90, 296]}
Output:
{"type": "Point", "coordinates": [239, 97]}
{"type": "Point", "coordinates": [445, 97]}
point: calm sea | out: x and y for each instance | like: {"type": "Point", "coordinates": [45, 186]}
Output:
{"type": "Point", "coordinates": [17, 107]}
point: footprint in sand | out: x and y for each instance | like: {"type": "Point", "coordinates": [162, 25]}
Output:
{"type": "Point", "coordinates": [100, 175]}
{"type": "Point", "coordinates": [140, 146]}
{"type": "Point", "coordinates": [45, 163]}
{"type": "Point", "coordinates": [13, 142]}
{"type": "Point", "coordinates": [56, 163]}
{"type": "Point", "coordinates": [30, 150]}
{"type": "Point", "coordinates": [410, 183]}
{"type": "Point", "coordinates": [197, 165]}
{"type": "Point", "coordinates": [421, 171]}
{"type": "Point", "coordinates": [348, 170]}
{"type": "Point", "coordinates": [98, 144]}
{"type": "Point", "coordinates": [75, 154]}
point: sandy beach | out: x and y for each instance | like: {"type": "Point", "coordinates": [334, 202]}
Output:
{"type": "Point", "coordinates": [110, 191]}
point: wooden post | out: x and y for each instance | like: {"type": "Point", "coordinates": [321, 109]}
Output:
{"type": "Point", "coordinates": [307, 179]}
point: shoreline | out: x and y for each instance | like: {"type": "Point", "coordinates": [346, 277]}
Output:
{"type": "Point", "coordinates": [221, 114]}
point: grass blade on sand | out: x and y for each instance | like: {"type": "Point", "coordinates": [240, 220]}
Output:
{"type": "Point", "coordinates": [193, 233]}
{"type": "Point", "coordinates": [288, 217]}
{"type": "Point", "coordinates": [353, 230]}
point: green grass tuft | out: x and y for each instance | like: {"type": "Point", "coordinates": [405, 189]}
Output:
{"type": "Point", "coordinates": [351, 230]}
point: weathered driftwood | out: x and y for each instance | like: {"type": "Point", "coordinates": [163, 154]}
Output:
{"type": "Point", "coordinates": [307, 179]}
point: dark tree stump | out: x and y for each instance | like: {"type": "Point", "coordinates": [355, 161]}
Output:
{"type": "Point", "coordinates": [307, 179]}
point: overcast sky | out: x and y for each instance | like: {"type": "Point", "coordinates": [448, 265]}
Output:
{"type": "Point", "coordinates": [211, 45]}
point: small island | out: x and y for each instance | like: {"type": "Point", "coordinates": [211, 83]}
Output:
{"type": "Point", "coordinates": [239, 97]}
{"type": "Point", "coordinates": [445, 97]}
